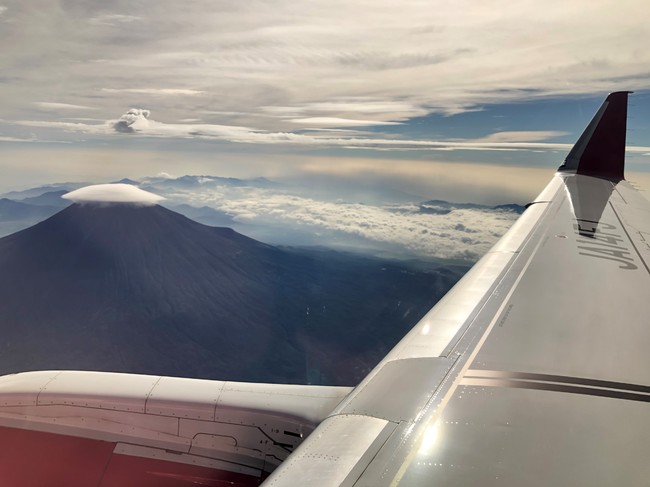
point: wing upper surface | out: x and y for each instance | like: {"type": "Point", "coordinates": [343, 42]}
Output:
{"type": "Point", "coordinates": [556, 392]}
{"type": "Point", "coordinates": [533, 370]}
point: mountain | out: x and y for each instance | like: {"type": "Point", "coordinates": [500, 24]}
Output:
{"type": "Point", "coordinates": [441, 207]}
{"type": "Point", "coordinates": [31, 192]}
{"type": "Point", "coordinates": [519, 209]}
{"type": "Point", "coordinates": [14, 210]}
{"type": "Point", "coordinates": [192, 182]}
{"type": "Point", "coordinates": [145, 290]}
{"type": "Point", "coordinates": [15, 215]}
{"type": "Point", "coordinates": [127, 181]}
{"type": "Point", "coordinates": [51, 198]}
{"type": "Point", "coordinates": [204, 214]}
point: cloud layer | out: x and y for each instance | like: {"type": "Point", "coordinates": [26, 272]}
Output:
{"type": "Point", "coordinates": [406, 230]}
{"type": "Point", "coordinates": [274, 63]}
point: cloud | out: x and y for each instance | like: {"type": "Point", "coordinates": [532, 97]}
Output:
{"type": "Point", "coordinates": [399, 230]}
{"type": "Point", "coordinates": [113, 19]}
{"type": "Point", "coordinates": [522, 136]}
{"type": "Point", "coordinates": [388, 62]}
{"type": "Point", "coordinates": [59, 106]}
{"type": "Point", "coordinates": [98, 129]}
{"type": "Point", "coordinates": [367, 107]}
{"type": "Point", "coordinates": [132, 120]}
{"type": "Point", "coordinates": [154, 91]}
{"type": "Point", "coordinates": [3, 9]}
{"type": "Point", "coordinates": [4, 138]}
{"type": "Point", "coordinates": [339, 122]}
{"type": "Point", "coordinates": [33, 140]}
{"type": "Point", "coordinates": [113, 193]}
{"type": "Point", "coordinates": [364, 105]}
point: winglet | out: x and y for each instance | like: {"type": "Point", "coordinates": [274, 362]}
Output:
{"type": "Point", "coordinates": [600, 150]}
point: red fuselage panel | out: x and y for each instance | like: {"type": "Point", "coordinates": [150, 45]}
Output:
{"type": "Point", "coordinates": [38, 459]}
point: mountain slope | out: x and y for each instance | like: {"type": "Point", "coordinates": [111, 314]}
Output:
{"type": "Point", "coordinates": [17, 215]}
{"type": "Point", "coordinates": [146, 290]}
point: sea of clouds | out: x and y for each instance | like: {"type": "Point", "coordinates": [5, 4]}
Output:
{"type": "Point", "coordinates": [407, 230]}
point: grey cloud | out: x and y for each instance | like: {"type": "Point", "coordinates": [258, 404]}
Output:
{"type": "Point", "coordinates": [113, 19]}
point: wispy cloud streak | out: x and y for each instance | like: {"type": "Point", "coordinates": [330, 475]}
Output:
{"type": "Point", "coordinates": [138, 122]}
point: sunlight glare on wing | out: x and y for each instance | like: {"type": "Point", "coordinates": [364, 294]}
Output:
{"type": "Point", "coordinates": [429, 439]}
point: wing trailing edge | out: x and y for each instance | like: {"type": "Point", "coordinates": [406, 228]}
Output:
{"type": "Point", "coordinates": [600, 150]}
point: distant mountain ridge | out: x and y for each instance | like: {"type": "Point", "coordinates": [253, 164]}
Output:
{"type": "Point", "coordinates": [40, 190]}
{"type": "Point", "coordinates": [189, 182]}
{"type": "Point", "coordinates": [441, 207]}
{"type": "Point", "coordinates": [16, 210]}
{"type": "Point", "coordinates": [146, 290]}
{"type": "Point", "coordinates": [16, 215]}
{"type": "Point", "coordinates": [51, 198]}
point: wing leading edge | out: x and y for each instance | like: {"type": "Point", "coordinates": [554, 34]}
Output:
{"type": "Point", "coordinates": [533, 370]}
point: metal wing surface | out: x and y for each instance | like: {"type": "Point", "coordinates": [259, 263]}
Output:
{"type": "Point", "coordinates": [534, 370]}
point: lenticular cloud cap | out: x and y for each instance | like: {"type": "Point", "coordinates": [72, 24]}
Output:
{"type": "Point", "coordinates": [113, 193]}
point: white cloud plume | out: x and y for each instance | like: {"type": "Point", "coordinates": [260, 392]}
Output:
{"type": "Point", "coordinates": [113, 193]}
{"type": "Point", "coordinates": [136, 119]}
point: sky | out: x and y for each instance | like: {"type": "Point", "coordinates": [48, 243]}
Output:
{"type": "Point", "coordinates": [467, 101]}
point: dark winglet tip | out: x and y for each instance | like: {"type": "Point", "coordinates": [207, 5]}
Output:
{"type": "Point", "coordinates": [600, 150]}
{"type": "Point", "coordinates": [618, 97]}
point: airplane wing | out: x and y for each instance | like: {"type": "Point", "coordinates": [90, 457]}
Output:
{"type": "Point", "coordinates": [533, 370]}
{"type": "Point", "coordinates": [100, 429]}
